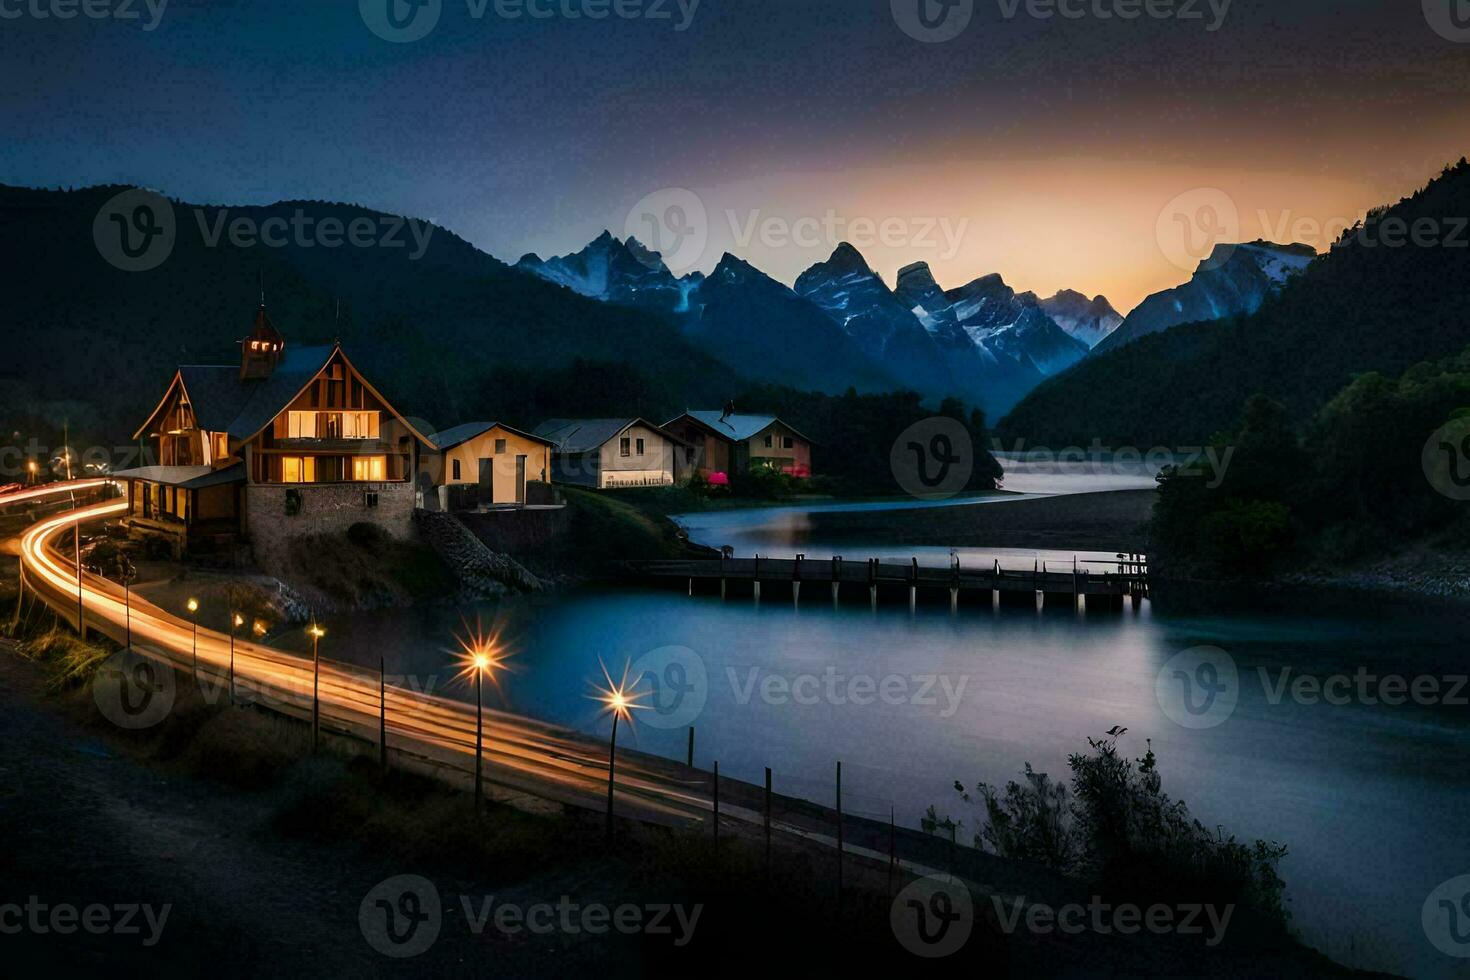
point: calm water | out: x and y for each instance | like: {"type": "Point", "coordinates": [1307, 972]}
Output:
{"type": "Point", "coordinates": [1371, 798]}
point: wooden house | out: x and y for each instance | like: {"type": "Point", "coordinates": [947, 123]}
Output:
{"type": "Point", "coordinates": [484, 464]}
{"type": "Point", "coordinates": [723, 443]}
{"type": "Point", "coordinates": [609, 453]}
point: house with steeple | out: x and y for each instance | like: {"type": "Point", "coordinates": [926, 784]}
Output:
{"type": "Point", "coordinates": [289, 441]}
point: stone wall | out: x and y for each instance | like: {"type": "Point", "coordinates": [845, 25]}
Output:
{"type": "Point", "coordinates": [325, 509]}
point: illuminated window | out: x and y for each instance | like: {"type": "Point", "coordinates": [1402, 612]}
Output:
{"type": "Point", "coordinates": [369, 469]}
{"type": "Point", "coordinates": [301, 425]}
{"type": "Point", "coordinates": [360, 425]}
{"type": "Point", "coordinates": [221, 445]}
{"type": "Point", "coordinates": [298, 469]}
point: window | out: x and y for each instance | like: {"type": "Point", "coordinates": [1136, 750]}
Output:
{"type": "Point", "coordinates": [788, 443]}
{"type": "Point", "coordinates": [768, 442]}
{"type": "Point", "coordinates": [625, 446]}
{"type": "Point", "coordinates": [221, 446]}
{"type": "Point", "coordinates": [369, 469]}
{"type": "Point", "coordinates": [640, 447]}
{"type": "Point", "coordinates": [360, 425]}
{"type": "Point", "coordinates": [301, 425]}
{"type": "Point", "coordinates": [499, 446]}
{"type": "Point", "coordinates": [298, 469]}
{"type": "Point", "coordinates": [454, 465]}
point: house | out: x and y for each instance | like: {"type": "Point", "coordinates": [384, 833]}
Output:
{"type": "Point", "coordinates": [609, 453]}
{"type": "Point", "coordinates": [291, 441]}
{"type": "Point", "coordinates": [484, 464]}
{"type": "Point", "coordinates": [726, 443]}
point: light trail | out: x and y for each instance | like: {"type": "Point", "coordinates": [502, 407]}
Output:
{"type": "Point", "coordinates": [521, 753]}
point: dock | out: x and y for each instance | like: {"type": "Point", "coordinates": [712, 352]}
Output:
{"type": "Point", "coordinates": [1040, 586]}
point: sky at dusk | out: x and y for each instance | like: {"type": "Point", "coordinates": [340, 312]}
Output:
{"type": "Point", "coordinates": [1045, 149]}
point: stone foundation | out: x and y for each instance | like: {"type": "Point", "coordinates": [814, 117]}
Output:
{"type": "Point", "coordinates": [326, 508]}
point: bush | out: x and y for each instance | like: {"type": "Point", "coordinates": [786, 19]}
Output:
{"type": "Point", "coordinates": [1123, 834]}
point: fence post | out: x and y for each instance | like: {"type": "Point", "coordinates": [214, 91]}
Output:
{"type": "Point", "coordinates": [691, 746]}
{"type": "Point", "coordinates": [839, 835]}
{"type": "Point", "coordinates": [892, 849]}
{"type": "Point", "coordinates": [768, 825]}
{"type": "Point", "coordinates": [716, 820]}
{"type": "Point", "coordinates": [382, 713]}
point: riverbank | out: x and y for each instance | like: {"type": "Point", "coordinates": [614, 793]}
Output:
{"type": "Point", "coordinates": [1111, 521]}
{"type": "Point", "coordinates": [255, 847]}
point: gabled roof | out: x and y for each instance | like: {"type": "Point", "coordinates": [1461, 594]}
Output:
{"type": "Point", "coordinates": [589, 435]}
{"type": "Point", "coordinates": [222, 402]}
{"type": "Point", "coordinates": [461, 434]}
{"type": "Point", "coordinates": [736, 428]}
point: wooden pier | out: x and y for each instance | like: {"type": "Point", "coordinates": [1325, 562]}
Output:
{"type": "Point", "coordinates": [1040, 586]}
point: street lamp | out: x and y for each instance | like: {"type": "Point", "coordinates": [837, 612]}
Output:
{"type": "Point", "coordinates": [236, 621]}
{"type": "Point", "coordinates": [620, 702]}
{"type": "Point", "coordinates": [129, 572]}
{"type": "Point", "coordinates": [316, 679]}
{"type": "Point", "coordinates": [481, 656]}
{"type": "Point", "coordinates": [193, 605]}
{"type": "Point", "coordinates": [31, 466]}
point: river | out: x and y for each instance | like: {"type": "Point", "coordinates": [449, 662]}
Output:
{"type": "Point", "coordinates": [1370, 796]}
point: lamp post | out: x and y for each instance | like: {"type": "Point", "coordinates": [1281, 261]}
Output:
{"type": "Point", "coordinates": [31, 468]}
{"type": "Point", "coordinates": [316, 679]}
{"type": "Point", "coordinates": [617, 700]}
{"type": "Point", "coordinates": [236, 621]}
{"type": "Point", "coordinates": [129, 571]}
{"type": "Point", "coordinates": [193, 605]}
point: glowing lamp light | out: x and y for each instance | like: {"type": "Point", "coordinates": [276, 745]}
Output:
{"type": "Point", "coordinates": [193, 605]}
{"type": "Point", "coordinates": [316, 632]}
{"type": "Point", "coordinates": [239, 620]}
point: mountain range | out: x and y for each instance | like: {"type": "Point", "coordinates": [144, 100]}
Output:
{"type": "Point", "coordinates": [1235, 279]}
{"type": "Point", "coordinates": [842, 326]}
{"type": "Point", "coordinates": [1377, 302]}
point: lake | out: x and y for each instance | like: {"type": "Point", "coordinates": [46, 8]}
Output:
{"type": "Point", "coordinates": [1370, 796]}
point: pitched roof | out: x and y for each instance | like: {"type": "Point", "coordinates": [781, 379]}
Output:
{"type": "Point", "coordinates": [222, 402]}
{"type": "Point", "coordinates": [461, 434]}
{"type": "Point", "coordinates": [589, 435]}
{"type": "Point", "coordinates": [737, 428]}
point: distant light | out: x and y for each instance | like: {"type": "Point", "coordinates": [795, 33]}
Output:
{"type": "Point", "coordinates": [193, 605]}
{"type": "Point", "coordinates": [317, 631]}
{"type": "Point", "coordinates": [239, 620]}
